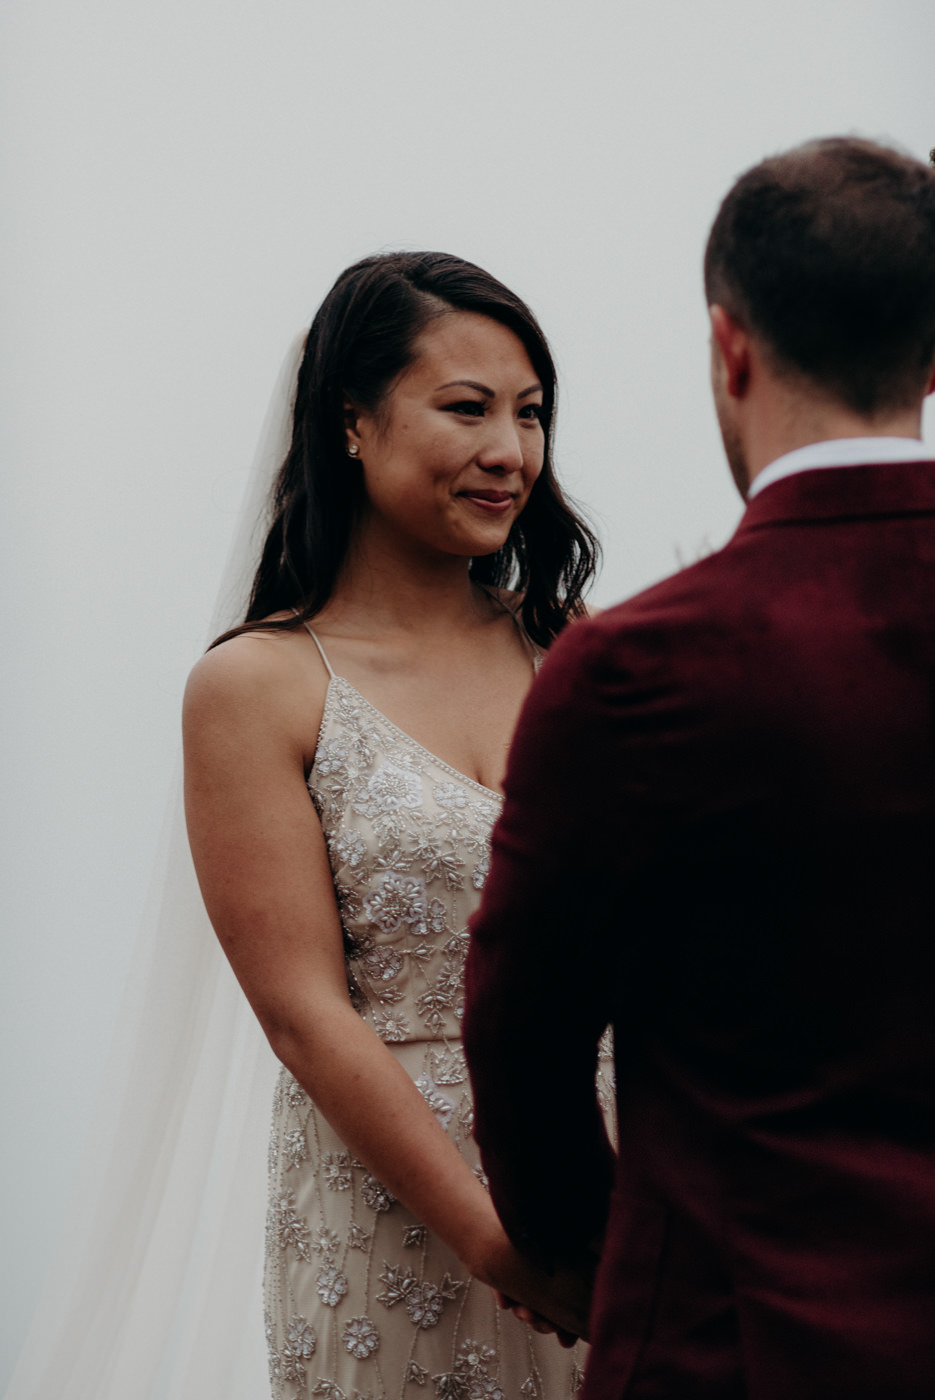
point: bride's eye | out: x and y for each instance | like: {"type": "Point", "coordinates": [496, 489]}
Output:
{"type": "Point", "coordinates": [471, 408]}
{"type": "Point", "coordinates": [533, 411]}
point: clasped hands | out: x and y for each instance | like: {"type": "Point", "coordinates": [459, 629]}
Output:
{"type": "Point", "coordinates": [558, 1301]}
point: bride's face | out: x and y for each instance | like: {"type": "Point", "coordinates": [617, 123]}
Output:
{"type": "Point", "coordinates": [452, 455]}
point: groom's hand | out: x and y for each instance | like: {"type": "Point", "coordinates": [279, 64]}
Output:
{"type": "Point", "coordinates": [561, 1299]}
{"type": "Point", "coordinates": [537, 1323]}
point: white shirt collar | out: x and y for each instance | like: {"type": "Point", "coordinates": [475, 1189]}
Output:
{"type": "Point", "coordinates": [841, 452]}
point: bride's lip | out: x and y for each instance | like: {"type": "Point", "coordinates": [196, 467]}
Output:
{"type": "Point", "coordinates": [494, 501]}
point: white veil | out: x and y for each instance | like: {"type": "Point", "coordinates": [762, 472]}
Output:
{"type": "Point", "coordinates": [154, 1291]}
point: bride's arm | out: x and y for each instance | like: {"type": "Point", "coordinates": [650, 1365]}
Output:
{"type": "Point", "coordinates": [263, 868]}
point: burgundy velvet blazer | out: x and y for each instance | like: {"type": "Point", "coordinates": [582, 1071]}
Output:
{"type": "Point", "coordinates": [719, 836]}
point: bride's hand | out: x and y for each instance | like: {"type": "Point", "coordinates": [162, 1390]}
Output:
{"type": "Point", "coordinates": [535, 1321]}
{"type": "Point", "coordinates": [557, 1302]}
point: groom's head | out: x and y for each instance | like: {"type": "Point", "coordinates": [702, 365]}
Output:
{"type": "Point", "coordinates": [826, 254]}
{"type": "Point", "coordinates": [820, 277]}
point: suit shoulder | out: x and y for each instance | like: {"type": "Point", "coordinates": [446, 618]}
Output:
{"type": "Point", "coordinates": [702, 590]}
{"type": "Point", "coordinates": [652, 632]}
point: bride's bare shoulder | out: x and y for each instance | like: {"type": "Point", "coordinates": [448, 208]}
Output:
{"type": "Point", "coordinates": [264, 681]}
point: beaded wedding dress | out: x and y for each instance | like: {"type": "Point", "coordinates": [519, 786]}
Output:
{"type": "Point", "coordinates": [362, 1301]}
{"type": "Point", "coordinates": [154, 1289]}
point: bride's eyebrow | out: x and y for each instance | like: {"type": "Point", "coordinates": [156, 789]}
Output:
{"type": "Point", "coordinates": [467, 384]}
{"type": "Point", "coordinates": [483, 389]}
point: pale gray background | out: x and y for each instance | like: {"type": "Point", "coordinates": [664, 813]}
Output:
{"type": "Point", "coordinates": [184, 181]}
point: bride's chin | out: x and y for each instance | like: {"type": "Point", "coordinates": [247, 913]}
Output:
{"type": "Point", "coordinates": [493, 539]}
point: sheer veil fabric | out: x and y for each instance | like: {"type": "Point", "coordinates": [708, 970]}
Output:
{"type": "Point", "coordinates": [154, 1290]}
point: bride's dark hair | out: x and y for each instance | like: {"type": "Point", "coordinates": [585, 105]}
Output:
{"type": "Point", "coordinates": [361, 340]}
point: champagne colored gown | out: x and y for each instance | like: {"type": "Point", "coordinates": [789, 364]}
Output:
{"type": "Point", "coordinates": [363, 1302]}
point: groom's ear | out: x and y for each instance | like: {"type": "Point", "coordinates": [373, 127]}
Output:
{"type": "Point", "coordinates": [732, 342]}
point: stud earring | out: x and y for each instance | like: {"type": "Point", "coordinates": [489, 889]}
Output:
{"type": "Point", "coordinates": [352, 449]}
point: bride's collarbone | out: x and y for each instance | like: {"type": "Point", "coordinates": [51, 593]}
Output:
{"type": "Point", "coordinates": [495, 665]}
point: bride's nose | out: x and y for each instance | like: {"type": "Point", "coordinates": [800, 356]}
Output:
{"type": "Point", "coordinates": [502, 449]}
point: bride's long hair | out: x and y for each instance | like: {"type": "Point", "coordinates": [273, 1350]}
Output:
{"type": "Point", "coordinates": [361, 340]}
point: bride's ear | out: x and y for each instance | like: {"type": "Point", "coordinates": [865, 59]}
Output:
{"type": "Point", "coordinates": [352, 442]}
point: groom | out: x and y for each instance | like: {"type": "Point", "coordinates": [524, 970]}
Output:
{"type": "Point", "coordinates": [719, 835]}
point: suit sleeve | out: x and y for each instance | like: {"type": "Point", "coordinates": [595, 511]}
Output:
{"type": "Point", "coordinates": [536, 999]}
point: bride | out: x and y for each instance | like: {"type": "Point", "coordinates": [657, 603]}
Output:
{"type": "Point", "coordinates": [344, 756]}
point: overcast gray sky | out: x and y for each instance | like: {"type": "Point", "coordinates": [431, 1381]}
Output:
{"type": "Point", "coordinates": [184, 182]}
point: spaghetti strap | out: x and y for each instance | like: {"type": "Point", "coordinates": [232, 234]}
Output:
{"type": "Point", "coordinates": [535, 655]}
{"type": "Point", "coordinates": [321, 650]}
{"type": "Point", "coordinates": [532, 651]}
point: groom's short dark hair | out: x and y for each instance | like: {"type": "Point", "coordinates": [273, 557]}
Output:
{"type": "Point", "coordinates": [827, 254]}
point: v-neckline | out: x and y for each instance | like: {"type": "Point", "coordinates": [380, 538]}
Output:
{"type": "Point", "coordinates": [333, 680]}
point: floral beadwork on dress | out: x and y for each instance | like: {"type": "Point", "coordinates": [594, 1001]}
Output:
{"type": "Point", "coordinates": [362, 1301]}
